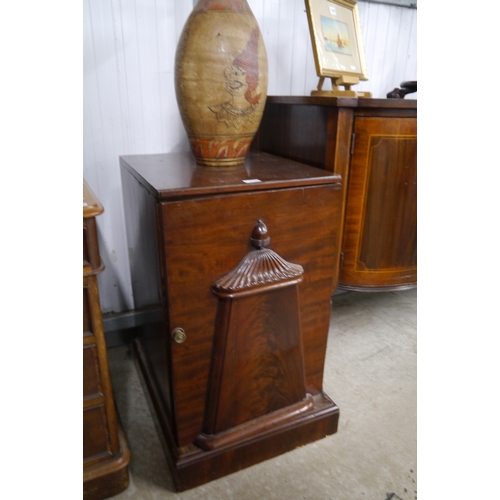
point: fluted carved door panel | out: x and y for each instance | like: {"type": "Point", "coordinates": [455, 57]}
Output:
{"type": "Point", "coordinates": [257, 374]}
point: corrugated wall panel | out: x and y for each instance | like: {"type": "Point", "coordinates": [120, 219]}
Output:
{"type": "Point", "coordinates": [302, 50]}
{"type": "Point", "coordinates": [104, 127]}
{"type": "Point", "coordinates": [390, 41]}
{"type": "Point", "coordinates": [129, 97]}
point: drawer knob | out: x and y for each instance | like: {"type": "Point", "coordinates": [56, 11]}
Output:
{"type": "Point", "coordinates": [179, 335]}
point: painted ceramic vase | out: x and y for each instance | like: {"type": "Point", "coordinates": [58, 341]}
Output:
{"type": "Point", "coordinates": [221, 80]}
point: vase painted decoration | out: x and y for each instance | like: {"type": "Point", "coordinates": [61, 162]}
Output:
{"type": "Point", "coordinates": [221, 80]}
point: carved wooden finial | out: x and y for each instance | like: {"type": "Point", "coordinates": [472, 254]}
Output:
{"type": "Point", "coordinates": [260, 237]}
{"type": "Point", "coordinates": [259, 267]}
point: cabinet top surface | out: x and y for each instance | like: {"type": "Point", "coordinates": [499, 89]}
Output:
{"type": "Point", "coordinates": [347, 102]}
{"type": "Point", "coordinates": [177, 174]}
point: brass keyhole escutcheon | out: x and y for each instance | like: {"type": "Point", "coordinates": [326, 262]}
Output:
{"type": "Point", "coordinates": [179, 335]}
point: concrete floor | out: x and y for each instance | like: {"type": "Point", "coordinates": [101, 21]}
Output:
{"type": "Point", "coordinates": [370, 372]}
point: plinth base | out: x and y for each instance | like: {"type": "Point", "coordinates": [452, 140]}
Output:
{"type": "Point", "coordinates": [107, 479]}
{"type": "Point", "coordinates": [376, 288]}
{"type": "Point", "coordinates": [191, 466]}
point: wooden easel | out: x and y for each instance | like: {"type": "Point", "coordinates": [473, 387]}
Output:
{"type": "Point", "coordinates": [337, 81]}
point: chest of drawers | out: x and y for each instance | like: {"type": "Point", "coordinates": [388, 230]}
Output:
{"type": "Point", "coordinates": [105, 451]}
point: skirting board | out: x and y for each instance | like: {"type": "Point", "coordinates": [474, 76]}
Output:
{"type": "Point", "coordinates": [120, 328]}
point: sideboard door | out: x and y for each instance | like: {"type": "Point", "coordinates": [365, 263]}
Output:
{"type": "Point", "coordinates": [379, 241]}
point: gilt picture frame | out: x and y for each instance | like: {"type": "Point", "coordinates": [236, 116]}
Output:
{"type": "Point", "coordinates": [336, 38]}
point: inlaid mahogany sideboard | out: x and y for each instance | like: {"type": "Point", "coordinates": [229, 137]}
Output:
{"type": "Point", "coordinates": [241, 260]}
{"type": "Point", "coordinates": [372, 144]}
{"type": "Point", "coordinates": [105, 451]}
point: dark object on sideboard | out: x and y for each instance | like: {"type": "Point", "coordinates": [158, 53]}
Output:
{"type": "Point", "coordinates": [406, 88]}
{"type": "Point", "coordinates": [372, 144]}
{"type": "Point", "coordinates": [242, 261]}
{"type": "Point", "coordinates": [105, 451]}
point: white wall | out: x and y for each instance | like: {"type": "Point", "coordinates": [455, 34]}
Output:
{"type": "Point", "coordinates": [129, 98]}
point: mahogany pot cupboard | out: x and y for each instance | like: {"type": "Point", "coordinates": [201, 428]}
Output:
{"type": "Point", "coordinates": [105, 451]}
{"type": "Point", "coordinates": [242, 261]}
{"type": "Point", "coordinates": [372, 144]}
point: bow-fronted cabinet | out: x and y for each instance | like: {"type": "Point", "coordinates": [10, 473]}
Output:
{"type": "Point", "coordinates": [372, 144]}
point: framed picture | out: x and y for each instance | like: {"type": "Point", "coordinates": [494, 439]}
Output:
{"type": "Point", "coordinates": [336, 38]}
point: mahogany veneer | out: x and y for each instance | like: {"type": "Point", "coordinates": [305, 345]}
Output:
{"type": "Point", "coordinates": [241, 260]}
{"type": "Point", "coordinates": [105, 451]}
{"type": "Point", "coordinates": [372, 144]}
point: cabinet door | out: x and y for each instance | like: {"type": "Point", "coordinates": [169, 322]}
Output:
{"type": "Point", "coordinates": [380, 233]}
{"type": "Point", "coordinates": [205, 238]}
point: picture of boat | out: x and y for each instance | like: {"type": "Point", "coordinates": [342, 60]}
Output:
{"type": "Point", "coordinates": [336, 36]}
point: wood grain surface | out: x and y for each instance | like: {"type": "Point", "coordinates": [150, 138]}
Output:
{"type": "Point", "coordinates": [272, 350]}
